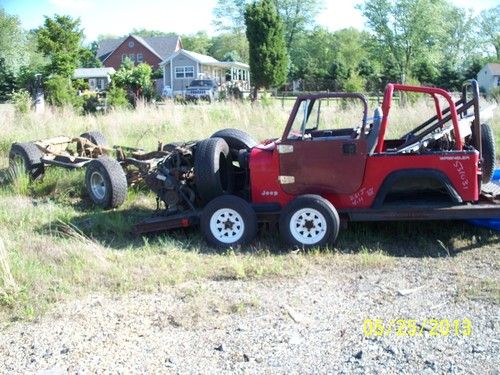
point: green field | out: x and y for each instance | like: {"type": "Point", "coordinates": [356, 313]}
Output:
{"type": "Point", "coordinates": [58, 246]}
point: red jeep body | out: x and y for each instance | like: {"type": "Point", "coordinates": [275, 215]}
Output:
{"type": "Point", "coordinates": [354, 168]}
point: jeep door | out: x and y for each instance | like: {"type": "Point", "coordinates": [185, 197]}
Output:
{"type": "Point", "coordinates": [322, 150]}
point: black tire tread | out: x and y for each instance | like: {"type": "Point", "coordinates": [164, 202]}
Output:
{"type": "Point", "coordinates": [116, 179]}
{"type": "Point", "coordinates": [31, 155]}
{"type": "Point", "coordinates": [488, 152]}
{"type": "Point", "coordinates": [95, 137]}
{"type": "Point", "coordinates": [239, 205]}
{"type": "Point", "coordinates": [206, 168]}
{"type": "Point", "coordinates": [317, 202]}
{"type": "Point", "coordinates": [236, 139]}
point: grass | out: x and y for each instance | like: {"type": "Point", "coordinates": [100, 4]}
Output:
{"type": "Point", "coordinates": [58, 246]}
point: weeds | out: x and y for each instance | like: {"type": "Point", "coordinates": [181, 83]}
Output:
{"type": "Point", "coordinates": [59, 246]}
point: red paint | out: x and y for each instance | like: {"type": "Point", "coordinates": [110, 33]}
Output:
{"type": "Point", "coordinates": [460, 167]}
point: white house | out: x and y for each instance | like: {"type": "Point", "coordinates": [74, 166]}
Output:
{"type": "Point", "coordinates": [184, 66]}
{"type": "Point", "coordinates": [489, 77]}
{"type": "Point", "coordinates": [97, 78]}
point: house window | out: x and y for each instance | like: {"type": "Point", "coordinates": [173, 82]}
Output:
{"type": "Point", "coordinates": [132, 57]}
{"type": "Point", "coordinates": [92, 84]}
{"type": "Point", "coordinates": [184, 72]}
{"type": "Point", "coordinates": [124, 56]}
{"type": "Point", "coordinates": [101, 83]}
{"type": "Point", "coordinates": [131, 44]}
{"type": "Point", "coordinates": [140, 58]}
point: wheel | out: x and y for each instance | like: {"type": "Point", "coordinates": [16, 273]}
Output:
{"type": "Point", "coordinates": [308, 221]}
{"type": "Point", "coordinates": [96, 138]}
{"type": "Point", "coordinates": [488, 150]}
{"type": "Point", "coordinates": [213, 169]}
{"type": "Point", "coordinates": [106, 182]}
{"type": "Point", "coordinates": [228, 221]}
{"type": "Point", "coordinates": [28, 157]}
{"type": "Point", "coordinates": [236, 139]}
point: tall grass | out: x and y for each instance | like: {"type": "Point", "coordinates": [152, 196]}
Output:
{"type": "Point", "coordinates": [58, 245]}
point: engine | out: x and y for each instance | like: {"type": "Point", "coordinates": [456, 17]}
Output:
{"type": "Point", "coordinates": [173, 178]}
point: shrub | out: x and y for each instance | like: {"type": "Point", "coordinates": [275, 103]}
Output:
{"type": "Point", "coordinates": [117, 97]}
{"type": "Point", "coordinates": [60, 92]}
{"type": "Point", "coordinates": [21, 100]}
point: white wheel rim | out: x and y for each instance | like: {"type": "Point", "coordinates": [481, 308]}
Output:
{"type": "Point", "coordinates": [227, 225]}
{"type": "Point", "coordinates": [308, 226]}
{"type": "Point", "coordinates": [98, 185]}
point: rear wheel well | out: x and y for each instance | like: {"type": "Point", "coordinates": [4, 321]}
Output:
{"type": "Point", "coordinates": [414, 183]}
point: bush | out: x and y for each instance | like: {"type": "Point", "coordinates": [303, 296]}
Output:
{"type": "Point", "coordinates": [117, 97]}
{"type": "Point", "coordinates": [60, 92]}
{"type": "Point", "coordinates": [21, 100]}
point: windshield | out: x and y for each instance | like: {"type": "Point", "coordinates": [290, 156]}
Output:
{"type": "Point", "coordinates": [202, 83]}
{"type": "Point", "coordinates": [325, 116]}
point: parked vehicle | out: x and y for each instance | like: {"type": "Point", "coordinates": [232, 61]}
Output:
{"type": "Point", "coordinates": [315, 175]}
{"type": "Point", "coordinates": [202, 89]}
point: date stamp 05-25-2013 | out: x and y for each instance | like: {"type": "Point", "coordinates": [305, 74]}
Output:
{"type": "Point", "coordinates": [414, 327]}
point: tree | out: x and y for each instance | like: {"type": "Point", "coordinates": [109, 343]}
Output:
{"type": "Point", "coordinates": [405, 30]}
{"type": "Point", "coordinates": [199, 42]}
{"type": "Point", "coordinates": [88, 56]}
{"type": "Point", "coordinates": [234, 44]}
{"type": "Point", "coordinates": [268, 56]}
{"type": "Point", "coordinates": [12, 42]}
{"type": "Point", "coordinates": [229, 15]}
{"type": "Point", "coordinates": [490, 28]}
{"type": "Point", "coordinates": [297, 16]}
{"type": "Point", "coordinates": [136, 80]}
{"type": "Point", "coordinates": [60, 39]}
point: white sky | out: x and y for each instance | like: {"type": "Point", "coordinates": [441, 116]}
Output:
{"type": "Point", "coordinates": [182, 17]}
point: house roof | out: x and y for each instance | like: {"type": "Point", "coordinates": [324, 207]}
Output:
{"type": "Point", "coordinates": [162, 46]}
{"type": "Point", "coordinates": [92, 73]}
{"type": "Point", "coordinates": [494, 68]}
{"type": "Point", "coordinates": [204, 59]}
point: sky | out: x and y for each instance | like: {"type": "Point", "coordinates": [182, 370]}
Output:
{"type": "Point", "coordinates": [179, 16]}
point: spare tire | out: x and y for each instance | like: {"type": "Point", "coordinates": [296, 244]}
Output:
{"type": "Point", "coordinates": [213, 169]}
{"type": "Point", "coordinates": [236, 139]}
{"type": "Point", "coordinates": [28, 157]}
{"type": "Point", "coordinates": [96, 138]}
{"type": "Point", "coordinates": [488, 153]}
{"type": "Point", "coordinates": [106, 182]}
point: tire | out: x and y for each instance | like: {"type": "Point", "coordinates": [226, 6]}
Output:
{"type": "Point", "coordinates": [106, 182]}
{"type": "Point", "coordinates": [324, 222]}
{"type": "Point", "coordinates": [28, 157]}
{"type": "Point", "coordinates": [96, 138]}
{"type": "Point", "coordinates": [228, 221]}
{"type": "Point", "coordinates": [236, 139]}
{"type": "Point", "coordinates": [213, 169]}
{"type": "Point", "coordinates": [488, 153]}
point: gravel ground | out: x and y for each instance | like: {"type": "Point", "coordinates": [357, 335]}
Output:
{"type": "Point", "coordinates": [304, 325]}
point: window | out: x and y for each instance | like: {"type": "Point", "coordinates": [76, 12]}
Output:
{"type": "Point", "coordinates": [498, 81]}
{"type": "Point", "coordinates": [140, 58]}
{"type": "Point", "coordinates": [131, 44]}
{"type": "Point", "coordinates": [124, 56]}
{"type": "Point", "coordinates": [92, 84]}
{"type": "Point", "coordinates": [101, 83]}
{"type": "Point", "coordinates": [184, 72]}
{"type": "Point", "coordinates": [132, 57]}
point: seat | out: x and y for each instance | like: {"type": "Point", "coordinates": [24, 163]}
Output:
{"type": "Point", "coordinates": [372, 136]}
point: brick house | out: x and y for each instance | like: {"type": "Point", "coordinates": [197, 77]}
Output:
{"type": "Point", "coordinates": [149, 50]}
